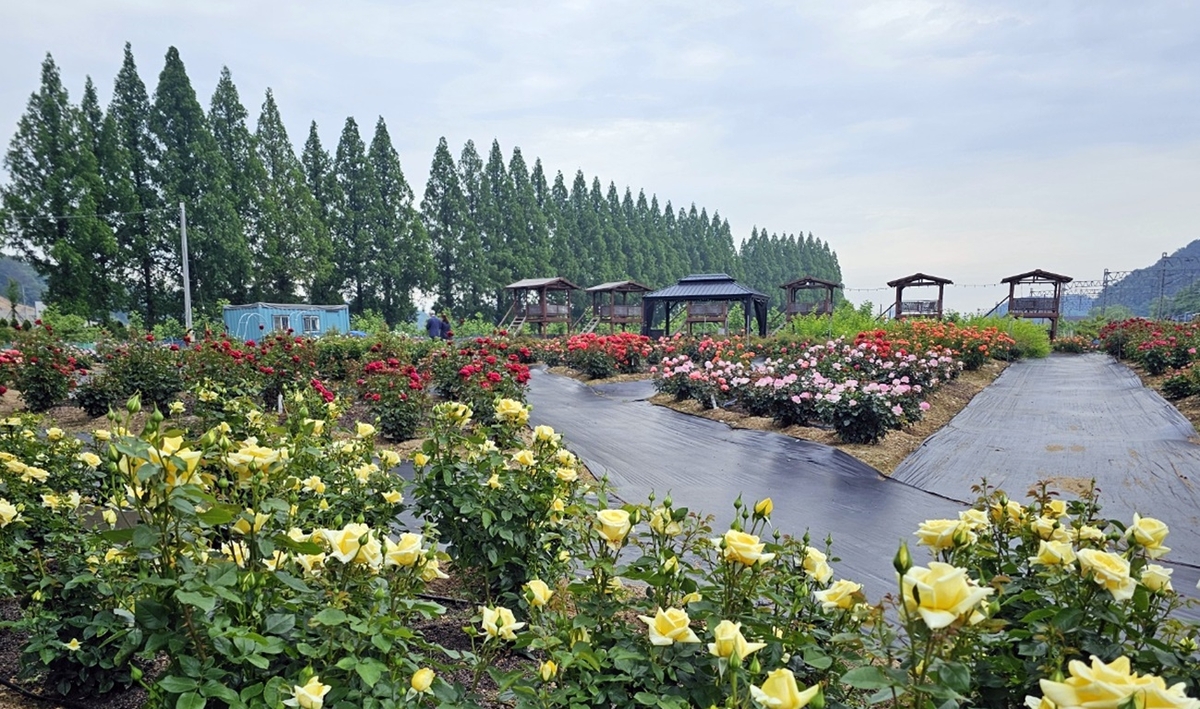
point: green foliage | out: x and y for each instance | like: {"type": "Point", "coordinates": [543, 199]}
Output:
{"type": "Point", "coordinates": [369, 321]}
{"type": "Point", "coordinates": [47, 372]}
{"type": "Point", "coordinates": [69, 327]}
{"type": "Point", "coordinates": [1031, 339]}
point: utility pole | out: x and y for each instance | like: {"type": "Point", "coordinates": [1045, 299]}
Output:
{"type": "Point", "coordinates": [1162, 281]}
{"type": "Point", "coordinates": [187, 281]}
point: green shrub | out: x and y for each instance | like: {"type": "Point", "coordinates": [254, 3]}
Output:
{"type": "Point", "coordinates": [47, 371]}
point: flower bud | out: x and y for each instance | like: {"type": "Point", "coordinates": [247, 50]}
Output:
{"type": "Point", "coordinates": [818, 702]}
{"type": "Point", "coordinates": [134, 405]}
{"type": "Point", "coordinates": [902, 562]}
{"type": "Point", "coordinates": [157, 416]}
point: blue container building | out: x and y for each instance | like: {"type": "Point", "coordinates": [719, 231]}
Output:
{"type": "Point", "coordinates": [255, 320]}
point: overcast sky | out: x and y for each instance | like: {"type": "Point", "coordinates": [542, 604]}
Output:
{"type": "Point", "coordinates": [970, 140]}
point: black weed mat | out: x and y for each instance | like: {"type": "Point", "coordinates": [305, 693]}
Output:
{"type": "Point", "coordinates": [1071, 419]}
{"type": "Point", "coordinates": [706, 464]}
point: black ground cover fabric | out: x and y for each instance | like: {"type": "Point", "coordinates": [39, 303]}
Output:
{"type": "Point", "coordinates": [705, 464]}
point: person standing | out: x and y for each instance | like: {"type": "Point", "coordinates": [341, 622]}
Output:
{"type": "Point", "coordinates": [433, 327]}
{"type": "Point", "coordinates": [446, 331]}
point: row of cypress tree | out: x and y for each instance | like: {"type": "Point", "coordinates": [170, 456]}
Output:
{"type": "Point", "coordinates": [91, 203]}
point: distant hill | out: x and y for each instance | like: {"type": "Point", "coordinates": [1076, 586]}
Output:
{"type": "Point", "coordinates": [22, 273]}
{"type": "Point", "coordinates": [1140, 290]}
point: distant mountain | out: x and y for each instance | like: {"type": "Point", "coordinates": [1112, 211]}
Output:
{"type": "Point", "coordinates": [32, 284]}
{"type": "Point", "coordinates": [1141, 290]}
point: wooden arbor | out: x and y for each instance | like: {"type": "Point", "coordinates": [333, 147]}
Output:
{"type": "Point", "coordinates": [792, 307]}
{"type": "Point", "coordinates": [615, 313]}
{"type": "Point", "coordinates": [551, 303]}
{"type": "Point", "coordinates": [1037, 306]}
{"type": "Point", "coordinates": [918, 308]}
{"type": "Point", "coordinates": [707, 296]}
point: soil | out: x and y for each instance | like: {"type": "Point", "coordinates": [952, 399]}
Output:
{"type": "Point", "coordinates": [946, 401]}
{"type": "Point", "coordinates": [579, 376]}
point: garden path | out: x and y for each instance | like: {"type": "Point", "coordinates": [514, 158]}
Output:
{"type": "Point", "coordinates": [1071, 419]}
{"type": "Point", "coordinates": [706, 464]}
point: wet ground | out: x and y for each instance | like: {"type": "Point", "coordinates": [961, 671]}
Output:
{"type": "Point", "coordinates": [705, 464]}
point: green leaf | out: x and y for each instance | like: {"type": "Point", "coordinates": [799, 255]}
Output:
{"type": "Point", "coordinates": [866, 678]}
{"type": "Point", "coordinates": [370, 670]}
{"type": "Point", "coordinates": [646, 699]}
{"type": "Point", "coordinates": [331, 616]}
{"type": "Point", "coordinates": [213, 688]}
{"type": "Point", "coordinates": [204, 603]}
{"type": "Point", "coordinates": [191, 700]}
{"type": "Point", "coordinates": [151, 614]}
{"type": "Point", "coordinates": [955, 676]}
{"type": "Point", "coordinates": [214, 516]}
{"type": "Point", "coordinates": [279, 623]}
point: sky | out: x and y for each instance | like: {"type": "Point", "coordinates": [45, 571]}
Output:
{"type": "Point", "coordinates": [968, 140]}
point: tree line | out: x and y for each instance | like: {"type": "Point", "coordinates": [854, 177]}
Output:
{"type": "Point", "coordinates": [93, 193]}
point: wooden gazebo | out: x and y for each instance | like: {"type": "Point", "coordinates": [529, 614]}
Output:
{"type": "Point", "coordinates": [1037, 306]}
{"type": "Point", "coordinates": [550, 303]}
{"type": "Point", "coordinates": [706, 297]}
{"type": "Point", "coordinates": [918, 308]}
{"type": "Point", "coordinates": [617, 310]}
{"type": "Point", "coordinates": [792, 307]}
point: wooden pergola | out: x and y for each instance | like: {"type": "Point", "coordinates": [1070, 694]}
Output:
{"type": "Point", "coordinates": [918, 308]}
{"type": "Point", "coordinates": [792, 307]}
{"type": "Point", "coordinates": [1037, 306]}
{"type": "Point", "coordinates": [551, 303]}
{"type": "Point", "coordinates": [612, 312]}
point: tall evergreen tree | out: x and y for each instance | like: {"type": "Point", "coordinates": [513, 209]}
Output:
{"type": "Point", "coordinates": [327, 280]}
{"type": "Point", "coordinates": [293, 253]}
{"type": "Point", "coordinates": [472, 259]}
{"type": "Point", "coordinates": [444, 215]}
{"type": "Point", "coordinates": [143, 243]}
{"type": "Point", "coordinates": [52, 199]}
{"type": "Point", "coordinates": [526, 227]}
{"type": "Point", "coordinates": [247, 178]}
{"type": "Point", "coordinates": [401, 248]}
{"type": "Point", "coordinates": [193, 171]}
{"type": "Point", "coordinates": [353, 215]}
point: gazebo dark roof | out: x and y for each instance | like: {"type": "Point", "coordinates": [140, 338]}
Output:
{"type": "Point", "coordinates": [702, 287]}
{"type": "Point", "coordinates": [620, 287]}
{"type": "Point", "coordinates": [706, 286]}
{"type": "Point", "coordinates": [920, 279]}
{"type": "Point", "coordinates": [811, 280]}
{"type": "Point", "coordinates": [1037, 275]}
{"type": "Point", "coordinates": [539, 283]}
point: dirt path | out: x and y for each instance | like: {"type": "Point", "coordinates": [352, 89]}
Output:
{"type": "Point", "coordinates": [1072, 418]}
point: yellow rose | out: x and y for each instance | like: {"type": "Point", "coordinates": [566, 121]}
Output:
{"type": "Point", "coordinates": [275, 561]}
{"type": "Point", "coordinates": [1047, 528]}
{"type": "Point", "coordinates": [764, 507]}
{"type": "Point", "coordinates": [511, 411]}
{"type": "Point", "coordinates": [1053, 554]}
{"type": "Point", "coordinates": [548, 669]}
{"type": "Point", "coordinates": [245, 526]}
{"type": "Point", "coordinates": [310, 696]}
{"type": "Point", "coordinates": [420, 460]}
{"type": "Point", "coordinates": [175, 408]}
{"type": "Point", "coordinates": [8, 513]}
{"type": "Point", "coordinates": [613, 526]}
{"type": "Point", "coordinates": [314, 484]}
{"type": "Point", "coordinates": [431, 571]}
{"type": "Point", "coordinates": [669, 627]}
{"type": "Point", "coordinates": [841, 595]}
{"type": "Point", "coordinates": [393, 497]}
{"type": "Point", "coordinates": [237, 552]}
{"type": "Point", "coordinates": [942, 534]}
{"type": "Point", "coordinates": [662, 522]}
{"type": "Point", "coordinates": [693, 597]}
{"type": "Point", "coordinates": [422, 679]}
{"type": "Point", "coordinates": [941, 594]}
{"type": "Point", "coordinates": [109, 516]}
{"type": "Point", "coordinates": [364, 472]}
{"type": "Point", "coordinates": [816, 564]}
{"type": "Point", "coordinates": [1109, 686]}
{"type": "Point", "coordinates": [567, 475]}
{"type": "Point", "coordinates": [389, 458]}
{"type": "Point", "coordinates": [1009, 509]}
{"type": "Point", "coordinates": [730, 643]}
{"type": "Point", "coordinates": [498, 622]}
{"type": "Point", "coordinates": [743, 548]}
{"type": "Point", "coordinates": [545, 434]}
{"type": "Point", "coordinates": [494, 482]}
{"type": "Point", "coordinates": [318, 426]}
{"type": "Point", "coordinates": [54, 434]}
{"type": "Point", "coordinates": [538, 593]}
{"type": "Point", "coordinates": [311, 563]}
{"type": "Point", "coordinates": [1157, 578]}
{"type": "Point", "coordinates": [89, 459]}
{"type": "Point", "coordinates": [974, 519]}
{"type": "Point", "coordinates": [1087, 533]}
{"type": "Point", "coordinates": [406, 552]}
{"type": "Point", "coordinates": [565, 457]}
{"type": "Point", "coordinates": [343, 543]}
{"type": "Point", "coordinates": [1055, 509]}
{"type": "Point", "coordinates": [32, 472]}
{"type": "Point", "coordinates": [73, 644]}
{"type": "Point", "coordinates": [1149, 534]}
{"type": "Point", "coordinates": [1108, 570]}
{"type": "Point", "coordinates": [523, 459]}
{"type": "Point", "coordinates": [102, 435]}
{"type": "Point", "coordinates": [780, 691]}
{"type": "Point", "coordinates": [364, 430]}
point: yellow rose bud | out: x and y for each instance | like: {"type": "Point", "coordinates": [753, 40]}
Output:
{"type": "Point", "coordinates": [841, 595]}
{"type": "Point", "coordinates": [1149, 534]}
{"type": "Point", "coordinates": [538, 593]}
{"type": "Point", "coordinates": [494, 482]}
{"type": "Point", "coordinates": [422, 679]}
{"type": "Point", "coordinates": [548, 670]}
{"type": "Point", "coordinates": [364, 430]}
{"type": "Point", "coordinates": [816, 564]}
{"type": "Point", "coordinates": [420, 460]}
{"type": "Point", "coordinates": [1157, 578]}
{"type": "Point", "coordinates": [661, 521]}
{"type": "Point", "coordinates": [730, 643]}
{"type": "Point", "coordinates": [498, 622]}
{"type": "Point", "coordinates": [392, 497]}
{"type": "Point", "coordinates": [764, 507]}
